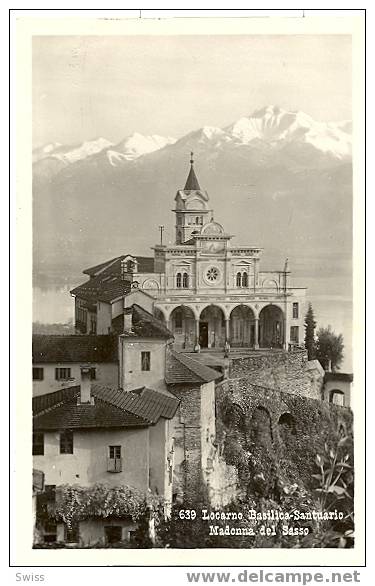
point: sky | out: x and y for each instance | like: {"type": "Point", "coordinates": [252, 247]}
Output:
{"type": "Point", "coordinates": [85, 87]}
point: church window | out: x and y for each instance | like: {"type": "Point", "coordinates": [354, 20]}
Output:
{"type": "Point", "coordinates": [199, 220]}
{"type": "Point", "coordinates": [178, 280]}
{"type": "Point", "coordinates": [244, 280]}
{"type": "Point", "coordinates": [238, 280]}
{"type": "Point", "coordinates": [185, 280]}
{"type": "Point", "coordinates": [295, 310]}
{"type": "Point", "coordinates": [212, 274]}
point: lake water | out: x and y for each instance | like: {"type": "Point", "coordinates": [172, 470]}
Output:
{"type": "Point", "coordinates": [330, 298]}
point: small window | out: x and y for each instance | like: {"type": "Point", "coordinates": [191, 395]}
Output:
{"type": "Point", "coordinates": [145, 360]}
{"type": "Point", "coordinates": [337, 397]}
{"type": "Point", "coordinates": [93, 373]}
{"type": "Point", "coordinates": [71, 534]}
{"type": "Point", "coordinates": [66, 442]}
{"type": "Point", "coordinates": [114, 463]}
{"type": "Point", "coordinates": [244, 280]}
{"type": "Point", "coordinates": [62, 373]}
{"type": "Point", "coordinates": [113, 534]}
{"type": "Point", "coordinates": [185, 280]}
{"type": "Point", "coordinates": [38, 373]}
{"type": "Point", "coordinates": [295, 310]}
{"type": "Point", "coordinates": [238, 280]}
{"type": "Point", "coordinates": [178, 280]}
{"type": "Point", "coordinates": [294, 334]}
{"type": "Point", "coordinates": [38, 443]}
{"type": "Point", "coordinates": [115, 451]}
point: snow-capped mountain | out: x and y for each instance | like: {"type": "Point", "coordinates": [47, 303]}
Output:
{"type": "Point", "coordinates": [137, 145]}
{"type": "Point", "coordinates": [72, 153]}
{"type": "Point", "coordinates": [279, 127]}
{"type": "Point", "coordinates": [277, 178]}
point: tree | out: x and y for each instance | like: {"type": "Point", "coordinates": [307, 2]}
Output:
{"type": "Point", "coordinates": [329, 348]}
{"type": "Point", "coordinates": [310, 325]}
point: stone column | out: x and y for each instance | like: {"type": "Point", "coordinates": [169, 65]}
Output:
{"type": "Point", "coordinates": [227, 330]}
{"type": "Point", "coordinates": [285, 336]}
{"type": "Point", "coordinates": [256, 333]}
{"type": "Point", "coordinates": [197, 347]}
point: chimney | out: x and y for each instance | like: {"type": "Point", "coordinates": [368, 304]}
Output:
{"type": "Point", "coordinates": [85, 395]}
{"type": "Point", "coordinates": [128, 319]}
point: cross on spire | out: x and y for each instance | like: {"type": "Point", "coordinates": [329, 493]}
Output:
{"type": "Point", "coordinates": [192, 183]}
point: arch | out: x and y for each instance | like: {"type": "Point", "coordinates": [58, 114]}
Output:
{"type": "Point", "coordinates": [286, 426]}
{"type": "Point", "coordinates": [238, 279]}
{"type": "Point", "coordinates": [182, 325]}
{"type": "Point", "coordinates": [242, 327]}
{"type": "Point", "coordinates": [271, 327]}
{"type": "Point", "coordinates": [270, 284]}
{"type": "Point", "coordinates": [261, 427]}
{"type": "Point", "coordinates": [245, 279]}
{"type": "Point", "coordinates": [337, 397]}
{"type": "Point", "coordinates": [151, 284]}
{"type": "Point", "coordinates": [212, 327]}
{"type": "Point", "coordinates": [185, 280]}
{"type": "Point", "coordinates": [178, 280]}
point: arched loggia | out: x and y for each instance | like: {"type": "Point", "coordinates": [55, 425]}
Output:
{"type": "Point", "coordinates": [182, 324]}
{"type": "Point", "coordinates": [212, 327]}
{"type": "Point", "coordinates": [242, 327]}
{"type": "Point", "coordinates": [271, 327]}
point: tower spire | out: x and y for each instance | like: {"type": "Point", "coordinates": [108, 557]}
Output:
{"type": "Point", "coordinates": [192, 183]}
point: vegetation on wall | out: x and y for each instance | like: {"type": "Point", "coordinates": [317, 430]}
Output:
{"type": "Point", "coordinates": [76, 503]}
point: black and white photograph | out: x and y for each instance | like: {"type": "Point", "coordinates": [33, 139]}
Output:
{"type": "Point", "coordinates": [192, 291]}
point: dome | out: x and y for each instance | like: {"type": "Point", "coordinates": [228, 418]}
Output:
{"type": "Point", "coordinates": [213, 228]}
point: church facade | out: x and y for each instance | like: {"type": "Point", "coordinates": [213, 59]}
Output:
{"type": "Point", "coordinates": [211, 293]}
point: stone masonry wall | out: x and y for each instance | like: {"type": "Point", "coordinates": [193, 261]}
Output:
{"type": "Point", "coordinates": [198, 465]}
{"type": "Point", "coordinates": [188, 471]}
{"type": "Point", "coordinates": [284, 371]}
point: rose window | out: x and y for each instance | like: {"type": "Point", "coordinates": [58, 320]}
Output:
{"type": "Point", "coordinates": [212, 274]}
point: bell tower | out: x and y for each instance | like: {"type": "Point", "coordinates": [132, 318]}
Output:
{"type": "Point", "coordinates": [192, 208]}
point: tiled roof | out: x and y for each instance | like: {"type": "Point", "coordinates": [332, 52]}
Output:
{"type": "Point", "coordinates": [144, 402]}
{"type": "Point", "coordinates": [338, 376]}
{"type": "Point", "coordinates": [144, 324]}
{"type": "Point", "coordinates": [113, 266]}
{"type": "Point", "coordinates": [183, 369]}
{"type": "Point", "coordinates": [102, 289]}
{"type": "Point", "coordinates": [74, 348]}
{"type": "Point", "coordinates": [106, 282]}
{"type": "Point", "coordinates": [93, 271]}
{"type": "Point", "coordinates": [69, 415]}
{"type": "Point", "coordinates": [112, 408]}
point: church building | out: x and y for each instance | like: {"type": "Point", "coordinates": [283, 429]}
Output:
{"type": "Point", "coordinates": [212, 294]}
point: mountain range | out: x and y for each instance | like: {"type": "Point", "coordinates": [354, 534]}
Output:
{"type": "Point", "coordinates": [276, 178]}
